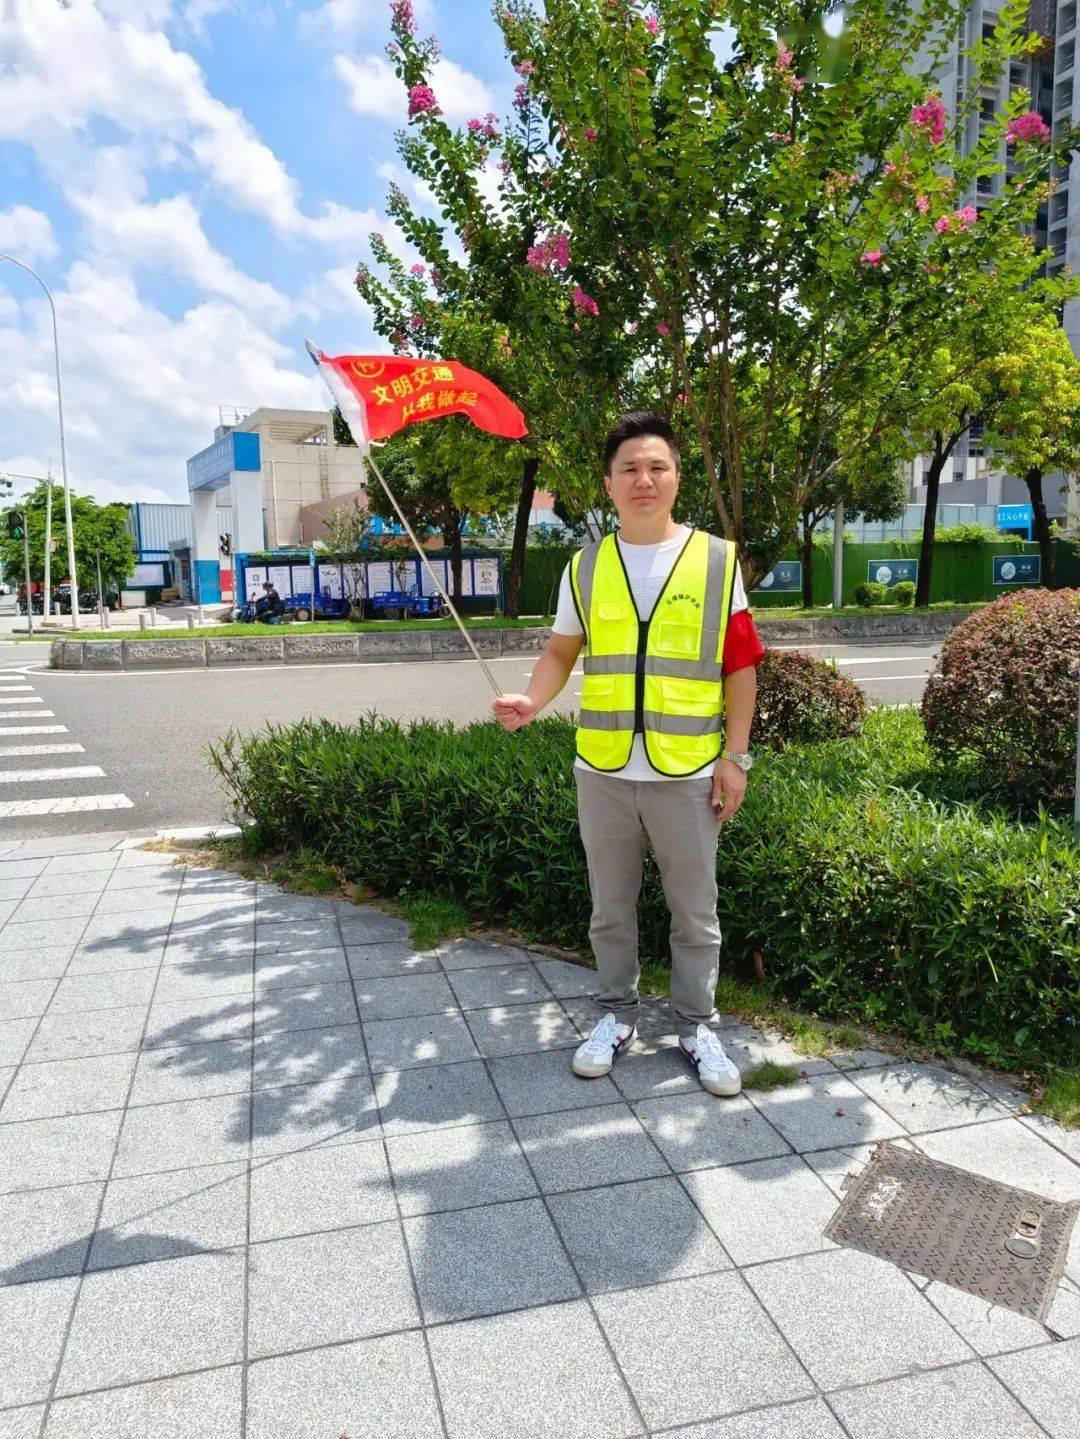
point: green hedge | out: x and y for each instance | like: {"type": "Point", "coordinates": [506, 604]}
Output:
{"type": "Point", "coordinates": [868, 896]}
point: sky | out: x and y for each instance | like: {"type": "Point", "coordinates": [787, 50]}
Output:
{"type": "Point", "coordinates": [195, 181]}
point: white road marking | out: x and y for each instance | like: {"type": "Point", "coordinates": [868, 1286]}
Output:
{"type": "Point", "coordinates": [885, 659]}
{"type": "Point", "coordinates": [32, 728]}
{"type": "Point", "coordinates": [79, 804]}
{"type": "Point", "coordinates": [17, 751]}
{"type": "Point", "coordinates": [885, 679]}
{"type": "Point", "coordinates": [37, 700]}
{"type": "Point", "coordinates": [26, 714]}
{"type": "Point", "coordinates": [40, 776]}
{"type": "Point", "coordinates": [15, 685]}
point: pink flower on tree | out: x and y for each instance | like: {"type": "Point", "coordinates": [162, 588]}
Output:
{"type": "Point", "coordinates": [784, 137]}
{"type": "Point", "coordinates": [416, 322]}
{"type": "Point", "coordinates": [525, 68]}
{"type": "Point", "coordinates": [958, 222]}
{"type": "Point", "coordinates": [583, 303]}
{"type": "Point", "coordinates": [422, 101]}
{"type": "Point", "coordinates": [784, 57]}
{"type": "Point", "coordinates": [922, 203]}
{"type": "Point", "coordinates": [930, 117]}
{"type": "Point", "coordinates": [590, 133]}
{"type": "Point", "coordinates": [401, 15]}
{"type": "Point", "coordinates": [521, 96]}
{"type": "Point", "coordinates": [1030, 128]}
{"type": "Point", "coordinates": [871, 258]}
{"type": "Point", "coordinates": [652, 24]}
{"type": "Point", "coordinates": [418, 271]}
{"type": "Point", "coordinates": [552, 253]}
{"type": "Point", "coordinates": [663, 330]}
{"type": "Point", "coordinates": [889, 167]}
{"type": "Point", "coordinates": [488, 126]}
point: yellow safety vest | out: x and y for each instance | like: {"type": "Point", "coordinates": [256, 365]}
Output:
{"type": "Point", "coordinates": [658, 676]}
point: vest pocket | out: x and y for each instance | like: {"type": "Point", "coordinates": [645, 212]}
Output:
{"type": "Point", "coordinates": [676, 639]}
{"type": "Point", "coordinates": [690, 697]}
{"type": "Point", "coordinates": [612, 610]}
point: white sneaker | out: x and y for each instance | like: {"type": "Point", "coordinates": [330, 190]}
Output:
{"type": "Point", "coordinates": [603, 1046]}
{"type": "Point", "coordinates": [718, 1074]}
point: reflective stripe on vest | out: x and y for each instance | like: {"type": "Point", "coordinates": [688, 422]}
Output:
{"type": "Point", "coordinates": [660, 677]}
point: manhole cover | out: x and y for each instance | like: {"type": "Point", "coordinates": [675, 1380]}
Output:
{"type": "Point", "coordinates": [1006, 1245]}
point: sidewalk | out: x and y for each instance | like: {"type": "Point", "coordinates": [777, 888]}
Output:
{"type": "Point", "coordinates": [267, 1171]}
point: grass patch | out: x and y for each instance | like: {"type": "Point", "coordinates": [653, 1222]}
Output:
{"type": "Point", "coordinates": [434, 918]}
{"type": "Point", "coordinates": [1060, 1098]}
{"type": "Point", "coordinates": [311, 627]}
{"type": "Point", "coordinates": [768, 1075]}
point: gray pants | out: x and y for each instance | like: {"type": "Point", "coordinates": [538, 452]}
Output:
{"type": "Point", "coordinates": [617, 816]}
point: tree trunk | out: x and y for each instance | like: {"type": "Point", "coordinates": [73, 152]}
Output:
{"type": "Point", "coordinates": [1034, 481]}
{"type": "Point", "coordinates": [806, 550]}
{"type": "Point", "coordinates": [926, 549]}
{"type": "Point", "coordinates": [515, 570]}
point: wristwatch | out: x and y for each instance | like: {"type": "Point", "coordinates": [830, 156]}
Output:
{"type": "Point", "coordinates": [744, 761]}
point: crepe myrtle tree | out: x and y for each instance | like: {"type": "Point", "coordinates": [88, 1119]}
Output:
{"type": "Point", "coordinates": [100, 531]}
{"type": "Point", "coordinates": [1035, 426]}
{"type": "Point", "coordinates": [775, 235]}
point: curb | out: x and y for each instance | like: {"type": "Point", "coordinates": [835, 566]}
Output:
{"type": "Point", "coordinates": [395, 646]}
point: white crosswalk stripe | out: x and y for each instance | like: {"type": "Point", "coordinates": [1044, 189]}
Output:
{"type": "Point", "coordinates": [40, 776]}
{"type": "Point", "coordinates": [76, 804]}
{"type": "Point", "coordinates": [64, 784]}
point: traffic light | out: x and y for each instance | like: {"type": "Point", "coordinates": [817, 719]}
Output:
{"type": "Point", "coordinates": [225, 545]}
{"type": "Point", "coordinates": [16, 524]}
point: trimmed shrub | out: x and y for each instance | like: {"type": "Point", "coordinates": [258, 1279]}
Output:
{"type": "Point", "coordinates": [1003, 697]}
{"type": "Point", "coordinates": [867, 899]}
{"type": "Point", "coordinates": [802, 700]}
{"type": "Point", "coordinates": [871, 593]}
{"type": "Point", "coordinates": [904, 593]}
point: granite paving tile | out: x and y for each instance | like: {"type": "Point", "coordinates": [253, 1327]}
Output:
{"type": "Point", "coordinates": [324, 1288]}
{"type": "Point", "coordinates": [198, 948]}
{"type": "Point", "coordinates": [587, 1147]}
{"type": "Point", "coordinates": [146, 1321]}
{"type": "Point", "coordinates": [1008, 1151]}
{"type": "Point", "coordinates": [498, 985]}
{"type": "Point", "coordinates": [45, 1233]}
{"type": "Point", "coordinates": [25, 998]}
{"type": "Point", "coordinates": [15, 888]}
{"type": "Point", "coordinates": [378, 961]}
{"type": "Point", "coordinates": [301, 968]}
{"type": "Point", "coordinates": [543, 1082]}
{"type": "Point", "coordinates": [566, 980]}
{"type": "Point", "coordinates": [457, 1167]}
{"type": "Point", "coordinates": [521, 1028]}
{"type": "Point", "coordinates": [318, 1189]}
{"type": "Point", "coordinates": [190, 1406]}
{"type": "Point", "coordinates": [22, 1423]}
{"type": "Point", "coordinates": [441, 1096]}
{"type": "Point", "coordinates": [154, 881]}
{"type": "Point", "coordinates": [41, 934]}
{"type": "Point", "coordinates": [314, 1007]}
{"type": "Point", "coordinates": [653, 1067]}
{"type": "Point", "coordinates": [48, 961]}
{"type": "Point", "coordinates": [164, 1216]}
{"type": "Point", "coordinates": [192, 1071]}
{"type": "Point", "coordinates": [470, 1262]}
{"type": "Point", "coordinates": [988, 1328]}
{"type": "Point", "coordinates": [961, 1402]}
{"type": "Point", "coordinates": [804, 1419]}
{"type": "Point", "coordinates": [1065, 1140]}
{"type": "Point", "coordinates": [370, 1389]}
{"type": "Point", "coordinates": [770, 1209]}
{"type": "Point", "coordinates": [92, 881]}
{"type": "Point", "coordinates": [198, 1021]}
{"type": "Point", "coordinates": [15, 1035]}
{"type": "Point", "coordinates": [626, 1235]}
{"type": "Point", "coordinates": [303, 1116]}
{"type": "Point", "coordinates": [145, 927]}
{"type": "Point", "coordinates": [283, 908]}
{"type": "Point", "coordinates": [199, 979]}
{"type": "Point", "coordinates": [104, 958]}
{"type": "Point", "coordinates": [16, 868]}
{"type": "Point", "coordinates": [833, 1165]}
{"type": "Point", "coordinates": [862, 1058]}
{"type": "Point", "coordinates": [1045, 1382]}
{"type": "Point", "coordinates": [677, 1371]}
{"type": "Point", "coordinates": [824, 1113]}
{"type": "Point", "coordinates": [431, 1039]}
{"type": "Point", "coordinates": [76, 993]}
{"type": "Point", "coordinates": [866, 1320]}
{"type": "Point", "coordinates": [100, 1031]}
{"type": "Point", "coordinates": [304, 1056]}
{"type": "Point", "coordinates": [122, 900]}
{"type": "Point", "coordinates": [33, 1318]}
{"type": "Point", "coordinates": [543, 1372]}
{"type": "Point", "coordinates": [298, 934]}
{"type": "Point", "coordinates": [697, 1131]}
{"type": "Point", "coordinates": [404, 996]}
{"type": "Point", "coordinates": [362, 924]}
{"type": "Point", "coordinates": [54, 906]}
{"type": "Point", "coordinates": [922, 1097]}
{"type": "Point", "coordinates": [40, 1152]}
{"type": "Point", "coordinates": [476, 953]}
{"type": "Point", "coordinates": [183, 1134]}
{"type": "Point", "coordinates": [68, 1086]}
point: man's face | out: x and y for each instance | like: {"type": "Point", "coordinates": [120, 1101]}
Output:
{"type": "Point", "coordinates": [643, 479]}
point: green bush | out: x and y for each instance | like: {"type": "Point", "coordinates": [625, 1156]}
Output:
{"type": "Point", "coordinates": [869, 897]}
{"type": "Point", "coordinates": [1003, 697]}
{"type": "Point", "coordinates": [802, 700]}
{"type": "Point", "coordinates": [903, 594]}
{"type": "Point", "coordinates": [870, 593]}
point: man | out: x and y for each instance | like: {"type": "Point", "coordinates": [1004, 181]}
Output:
{"type": "Point", "coordinates": [669, 646]}
{"type": "Point", "coordinates": [270, 603]}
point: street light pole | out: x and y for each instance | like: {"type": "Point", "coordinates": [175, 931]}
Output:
{"type": "Point", "coordinates": [47, 596]}
{"type": "Point", "coordinates": [63, 443]}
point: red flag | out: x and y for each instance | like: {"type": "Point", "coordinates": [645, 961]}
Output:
{"type": "Point", "coordinates": [396, 390]}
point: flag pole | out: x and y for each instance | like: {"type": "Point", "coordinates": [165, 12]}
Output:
{"type": "Point", "coordinates": [351, 410]}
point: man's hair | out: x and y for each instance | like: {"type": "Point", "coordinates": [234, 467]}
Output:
{"type": "Point", "coordinates": [633, 427]}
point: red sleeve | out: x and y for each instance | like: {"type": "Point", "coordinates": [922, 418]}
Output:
{"type": "Point", "coordinates": [741, 644]}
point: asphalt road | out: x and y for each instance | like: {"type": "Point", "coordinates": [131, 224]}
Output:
{"type": "Point", "coordinates": [131, 748]}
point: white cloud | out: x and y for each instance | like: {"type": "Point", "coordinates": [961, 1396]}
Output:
{"type": "Point", "coordinates": [68, 67]}
{"type": "Point", "coordinates": [350, 20]}
{"type": "Point", "coordinates": [373, 88]}
{"type": "Point", "coordinates": [26, 234]}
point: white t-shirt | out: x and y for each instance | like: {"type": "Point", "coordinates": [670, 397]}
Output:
{"type": "Point", "coordinates": [647, 569]}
